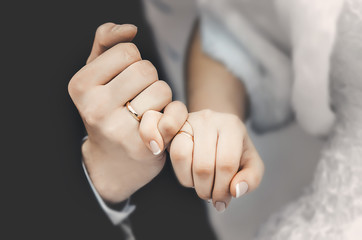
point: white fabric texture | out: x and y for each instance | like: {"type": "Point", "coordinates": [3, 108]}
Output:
{"type": "Point", "coordinates": [332, 207]}
{"type": "Point", "coordinates": [250, 54]}
{"type": "Point", "coordinates": [171, 22]}
{"type": "Point", "coordinates": [325, 42]}
{"type": "Point", "coordinates": [311, 28]}
{"type": "Point", "coordinates": [268, 83]}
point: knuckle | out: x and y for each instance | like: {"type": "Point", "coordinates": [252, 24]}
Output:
{"type": "Point", "coordinates": [177, 155]}
{"type": "Point", "coordinates": [91, 117]}
{"type": "Point", "coordinates": [180, 107]}
{"type": "Point", "coordinates": [93, 114]}
{"type": "Point", "coordinates": [102, 31]}
{"type": "Point", "coordinates": [203, 171]}
{"type": "Point", "coordinates": [147, 69]}
{"type": "Point", "coordinates": [75, 87]}
{"type": "Point", "coordinates": [227, 166]}
{"type": "Point", "coordinates": [170, 126]}
{"type": "Point", "coordinates": [206, 113]}
{"type": "Point", "coordinates": [164, 90]}
{"type": "Point", "coordinates": [130, 51]}
{"type": "Point", "coordinates": [204, 196]}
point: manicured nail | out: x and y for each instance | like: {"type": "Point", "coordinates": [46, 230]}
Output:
{"type": "Point", "coordinates": [220, 206]}
{"type": "Point", "coordinates": [241, 189]}
{"type": "Point", "coordinates": [155, 148]}
{"type": "Point", "coordinates": [209, 200]}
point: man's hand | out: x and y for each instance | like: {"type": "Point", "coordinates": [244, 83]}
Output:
{"type": "Point", "coordinates": [118, 161]}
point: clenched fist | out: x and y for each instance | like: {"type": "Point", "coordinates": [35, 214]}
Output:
{"type": "Point", "coordinates": [121, 153]}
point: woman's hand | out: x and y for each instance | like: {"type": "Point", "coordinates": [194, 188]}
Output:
{"type": "Point", "coordinates": [118, 161]}
{"type": "Point", "coordinates": [220, 161]}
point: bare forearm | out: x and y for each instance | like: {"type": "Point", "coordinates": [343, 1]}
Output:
{"type": "Point", "coordinates": [210, 85]}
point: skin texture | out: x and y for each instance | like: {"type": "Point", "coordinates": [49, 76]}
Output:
{"type": "Point", "coordinates": [118, 153]}
{"type": "Point", "coordinates": [221, 155]}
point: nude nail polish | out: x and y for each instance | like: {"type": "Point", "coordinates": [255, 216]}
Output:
{"type": "Point", "coordinates": [155, 148]}
{"type": "Point", "coordinates": [241, 189]}
{"type": "Point", "coordinates": [220, 206]}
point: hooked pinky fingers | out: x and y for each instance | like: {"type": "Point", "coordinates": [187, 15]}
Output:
{"type": "Point", "coordinates": [149, 132]}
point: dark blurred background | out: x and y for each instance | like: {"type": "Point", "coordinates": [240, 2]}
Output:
{"type": "Point", "coordinates": [44, 44]}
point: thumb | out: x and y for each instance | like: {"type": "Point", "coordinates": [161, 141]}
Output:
{"type": "Point", "coordinates": [251, 172]}
{"type": "Point", "coordinates": [110, 34]}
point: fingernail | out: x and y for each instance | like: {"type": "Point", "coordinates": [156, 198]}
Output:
{"type": "Point", "coordinates": [123, 27]}
{"type": "Point", "coordinates": [209, 200]}
{"type": "Point", "coordinates": [130, 26]}
{"type": "Point", "coordinates": [220, 206]}
{"type": "Point", "coordinates": [241, 189]}
{"type": "Point", "coordinates": [116, 28]}
{"type": "Point", "coordinates": [155, 148]}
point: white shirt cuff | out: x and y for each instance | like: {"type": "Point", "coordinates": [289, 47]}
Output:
{"type": "Point", "coordinates": [115, 216]}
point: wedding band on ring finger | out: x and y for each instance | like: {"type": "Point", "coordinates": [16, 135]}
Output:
{"type": "Point", "coordinates": [187, 134]}
{"type": "Point", "coordinates": [133, 112]}
{"type": "Point", "coordinates": [187, 130]}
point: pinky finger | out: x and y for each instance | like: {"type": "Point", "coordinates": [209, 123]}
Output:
{"type": "Point", "coordinates": [149, 132]}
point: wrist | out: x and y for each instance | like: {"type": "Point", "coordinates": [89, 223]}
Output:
{"type": "Point", "coordinates": [104, 176]}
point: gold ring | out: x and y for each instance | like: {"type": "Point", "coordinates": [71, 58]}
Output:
{"type": "Point", "coordinates": [134, 114]}
{"type": "Point", "coordinates": [187, 134]}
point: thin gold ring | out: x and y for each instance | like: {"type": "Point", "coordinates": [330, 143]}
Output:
{"type": "Point", "coordinates": [134, 114]}
{"type": "Point", "coordinates": [187, 134]}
